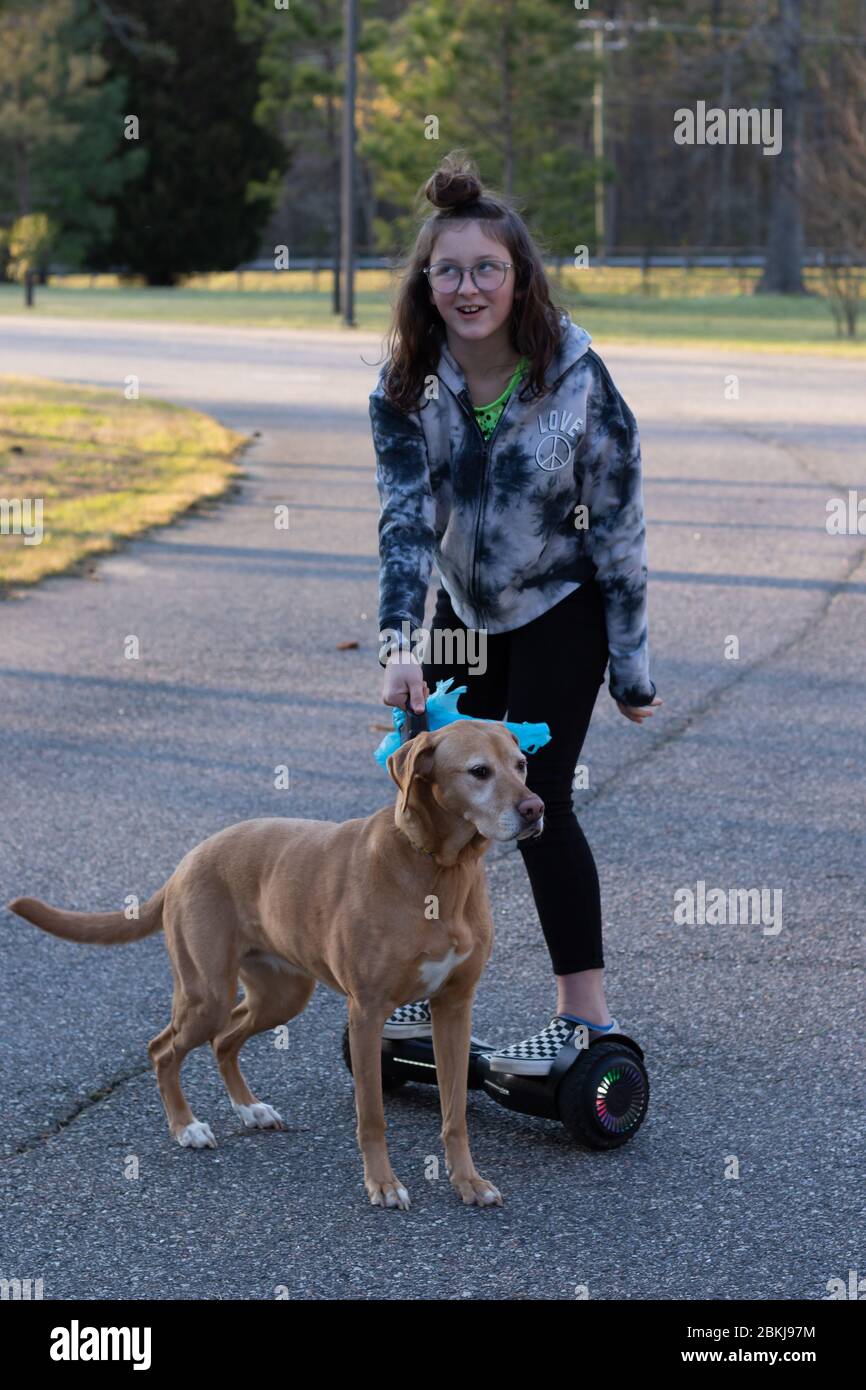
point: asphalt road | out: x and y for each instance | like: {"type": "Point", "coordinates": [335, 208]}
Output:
{"type": "Point", "coordinates": [750, 775]}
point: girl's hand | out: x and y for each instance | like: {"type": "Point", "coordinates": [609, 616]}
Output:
{"type": "Point", "coordinates": [638, 713]}
{"type": "Point", "coordinates": [404, 678]}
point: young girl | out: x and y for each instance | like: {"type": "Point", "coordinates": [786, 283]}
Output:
{"type": "Point", "coordinates": [505, 452]}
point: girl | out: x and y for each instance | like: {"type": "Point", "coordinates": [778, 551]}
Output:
{"type": "Point", "coordinates": [505, 452]}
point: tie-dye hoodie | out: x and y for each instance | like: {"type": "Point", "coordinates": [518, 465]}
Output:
{"type": "Point", "coordinates": [517, 522]}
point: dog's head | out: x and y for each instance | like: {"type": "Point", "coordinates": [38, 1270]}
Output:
{"type": "Point", "coordinates": [472, 770]}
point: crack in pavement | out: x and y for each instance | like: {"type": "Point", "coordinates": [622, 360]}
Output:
{"type": "Point", "coordinates": [681, 723]}
{"type": "Point", "coordinates": [789, 447]}
{"type": "Point", "coordinates": [32, 1141]}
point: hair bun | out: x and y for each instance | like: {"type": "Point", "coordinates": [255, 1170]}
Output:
{"type": "Point", "coordinates": [455, 183]}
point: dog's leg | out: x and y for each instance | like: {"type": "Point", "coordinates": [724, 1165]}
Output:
{"type": "Point", "coordinates": [273, 994]}
{"type": "Point", "coordinates": [452, 1027]}
{"type": "Point", "coordinates": [365, 1042]}
{"type": "Point", "coordinates": [201, 943]}
{"type": "Point", "coordinates": [191, 1025]}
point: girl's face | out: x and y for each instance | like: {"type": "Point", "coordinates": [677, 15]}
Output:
{"type": "Point", "coordinates": [467, 247]}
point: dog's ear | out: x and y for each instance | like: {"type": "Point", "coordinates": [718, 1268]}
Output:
{"type": "Point", "coordinates": [412, 759]}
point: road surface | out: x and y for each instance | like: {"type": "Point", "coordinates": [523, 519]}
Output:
{"type": "Point", "coordinates": [750, 776]}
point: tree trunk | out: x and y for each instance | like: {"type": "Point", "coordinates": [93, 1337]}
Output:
{"type": "Point", "coordinates": [783, 269]}
{"type": "Point", "coordinates": [507, 100]}
{"type": "Point", "coordinates": [336, 204]}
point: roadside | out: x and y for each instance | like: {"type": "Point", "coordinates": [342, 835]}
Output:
{"type": "Point", "coordinates": [616, 310]}
{"type": "Point", "coordinates": [82, 469]}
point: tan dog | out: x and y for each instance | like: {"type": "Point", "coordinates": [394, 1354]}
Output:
{"type": "Point", "coordinates": [385, 910]}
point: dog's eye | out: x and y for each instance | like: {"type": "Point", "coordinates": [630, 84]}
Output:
{"type": "Point", "coordinates": [480, 772]}
{"type": "Point", "coordinates": [521, 766]}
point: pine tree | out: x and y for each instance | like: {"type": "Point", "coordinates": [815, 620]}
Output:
{"type": "Point", "coordinates": [61, 151]}
{"type": "Point", "coordinates": [193, 207]}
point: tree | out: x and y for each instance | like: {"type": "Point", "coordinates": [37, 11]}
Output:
{"type": "Point", "coordinates": [300, 101]}
{"type": "Point", "coordinates": [26, 244]}
{"type": "Point", "coordinates": [60, 146]}
{"type": "Point", "coordinates": [302, 71]}
{"type": "Point", "coordinates": [835, 179]}
{"type": "Point", "coordinates": [212, 172]}
{"type": "Point", "coordinates": [502, 78]}
{"type": "Point", "coordinates": [783, 269]}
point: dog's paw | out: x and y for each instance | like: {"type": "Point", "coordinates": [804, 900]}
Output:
{"type": "Point", "coordinates": [259, 1116]}
{"type": "Point", "coordinates": [387, 1194]}
{"type": "Point", "coordinates": [477, 1191]}
{"type": "Point", "coordinates": [197, 1135]}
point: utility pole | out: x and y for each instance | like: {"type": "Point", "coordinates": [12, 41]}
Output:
{"type": "Point", "coordinates": [599, 28]}
{"type": "Point", "coordinates": [598, 142]}
{"type": "Point", "coordinates": [347, 257]}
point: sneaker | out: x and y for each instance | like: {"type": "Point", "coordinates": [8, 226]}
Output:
{"type": "Point", "coordinates": [535, 1056]}
{"type": "Point", "coordinates": [410, 1021]}
{"type": "Point", "coordinates": [415, 1021]}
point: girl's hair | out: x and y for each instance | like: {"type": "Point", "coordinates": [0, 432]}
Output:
{"type": "Point", "coordinates": [417, 330]}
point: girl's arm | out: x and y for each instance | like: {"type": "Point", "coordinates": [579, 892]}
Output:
{"type": "Point", "coordinates": [406, 518]}
{"type": "Point", "coordinates": [616, 539]}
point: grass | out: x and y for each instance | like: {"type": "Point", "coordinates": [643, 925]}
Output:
{"type": "Point", "coordinates": [103, 469]}
{"type": "Point", "coordinates": [768, 323]}
{"type": "Point", "coordinates": [710, 307]}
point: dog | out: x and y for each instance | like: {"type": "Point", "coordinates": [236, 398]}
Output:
{"type": "Point", "coordinates": [386, 910]}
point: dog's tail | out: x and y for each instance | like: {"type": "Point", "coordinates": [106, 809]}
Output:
{"type": "Point", "coordinates": [94, 928]}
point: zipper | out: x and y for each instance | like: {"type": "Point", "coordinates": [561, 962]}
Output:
{"type": "Point", "coordinates": [482, 494]}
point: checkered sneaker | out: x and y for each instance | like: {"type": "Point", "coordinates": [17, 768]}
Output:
{"type": "Point", "coordinates": [535, 1056]}
{"type": "Point", "coordinates": [415, 1021]}
{"type": "Point", "coordinates": [410, 1021]}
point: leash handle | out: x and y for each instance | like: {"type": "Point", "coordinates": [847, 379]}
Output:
{"type": "Point", "coordinates": [414, 723]}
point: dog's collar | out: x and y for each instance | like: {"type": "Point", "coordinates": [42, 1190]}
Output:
{"type": "Point", "coordinates": [419, 847]}
{"type": "Point", "coordinates": [448, 864]}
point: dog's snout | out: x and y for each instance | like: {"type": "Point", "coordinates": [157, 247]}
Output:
{"type": "Point", "coordinates": [531, 808]}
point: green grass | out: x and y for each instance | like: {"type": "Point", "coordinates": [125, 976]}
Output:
{"type": "Point", "coordinates": [245, 309]}
{"type": "Point", "coordinates": [777, 323]}
{"type": "Point", "coordinates": [706, 307]}
{"type": "Point", "coordinates": [103, 467]}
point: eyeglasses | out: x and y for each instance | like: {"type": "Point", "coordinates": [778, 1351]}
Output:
{"type": "Point", "coordinates": [446, 278]}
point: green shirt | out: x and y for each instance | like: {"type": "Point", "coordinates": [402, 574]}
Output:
{"type": "Point", "coordinates": [488, 415]}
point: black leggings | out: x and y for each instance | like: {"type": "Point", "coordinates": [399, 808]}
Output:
{"type": "Point", "coordinates": [548, 671]}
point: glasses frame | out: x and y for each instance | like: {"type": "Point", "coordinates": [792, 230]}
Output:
{"type": "Point", "coordinates": [509, 265]}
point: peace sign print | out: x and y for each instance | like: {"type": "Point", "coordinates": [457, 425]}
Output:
{"type": "Point", "coordinates": [553, 451]}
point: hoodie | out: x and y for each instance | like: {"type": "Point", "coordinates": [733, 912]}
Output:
{"type": "Point", "coordinates": [517, 522]}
